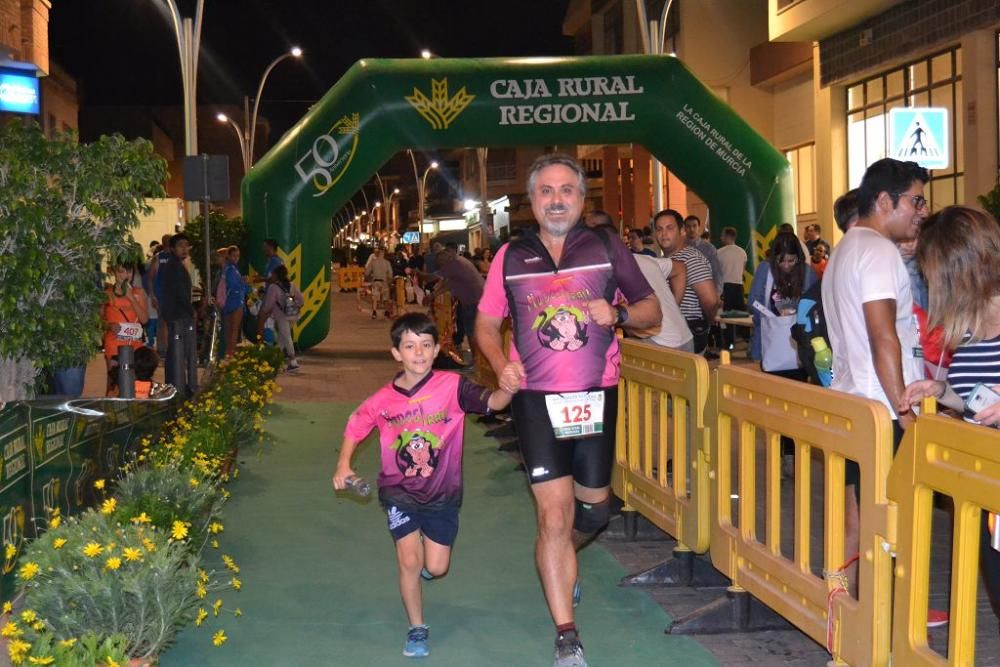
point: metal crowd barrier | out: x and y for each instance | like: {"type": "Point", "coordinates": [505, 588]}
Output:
{"type": "Point", "coordinates": [743, 402]}
{"type": "Point", "coordinates": [962, 461]}
{"type": "Point", "coordinates": [54, 450]}
{"type": "Point", "coordinates": [661, 454]}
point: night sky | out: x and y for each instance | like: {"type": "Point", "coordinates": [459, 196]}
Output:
{"type": "Point", "coordinates": [123, 52]}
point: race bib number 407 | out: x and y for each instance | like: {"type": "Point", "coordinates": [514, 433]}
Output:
{"type": "Point", "coordinates": [576, 414]}
{"type": "Point", "coordinates": [129, 331]}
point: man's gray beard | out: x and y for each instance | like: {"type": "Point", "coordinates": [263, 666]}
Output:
{"type": "Point", "coordinates": [556, 228]}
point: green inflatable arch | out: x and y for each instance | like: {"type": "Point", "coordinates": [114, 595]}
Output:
{"type": "Point", "coordinates": [383, 106]}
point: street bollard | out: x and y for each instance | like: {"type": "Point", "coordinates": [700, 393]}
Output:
{"type": "Point", "coordinates": [126, 371]}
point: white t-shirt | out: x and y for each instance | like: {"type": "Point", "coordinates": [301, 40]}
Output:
{"type": "Point", "coordinates": [674, 331]}
{"type": "Point", "coordinates": [866, 266]}
{"type": "Point", "coordinates": [732, 259]}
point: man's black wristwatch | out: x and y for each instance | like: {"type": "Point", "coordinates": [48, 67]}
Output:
{"type": "Point", "coordinates": [622, 315]}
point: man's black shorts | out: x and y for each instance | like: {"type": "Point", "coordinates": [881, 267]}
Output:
{"type": "Point", "coordinates": [852, 472]}
{"type": "Point", "coordinates": [588, 459]}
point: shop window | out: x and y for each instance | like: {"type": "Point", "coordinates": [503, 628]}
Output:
{"type": "Point", "coordinates": [935, 80]}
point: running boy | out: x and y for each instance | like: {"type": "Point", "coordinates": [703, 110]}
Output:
{"type": "Point", "coordinates": [420, 416]}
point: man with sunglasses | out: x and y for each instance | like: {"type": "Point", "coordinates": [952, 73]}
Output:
{"type": "Point", "coordinates": [869, 304]}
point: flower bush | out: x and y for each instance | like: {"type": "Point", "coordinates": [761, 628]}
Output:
{"type": "Point", "coordinates": [129, 574]}
{"type": "Point", "coordinates": [161, 496]}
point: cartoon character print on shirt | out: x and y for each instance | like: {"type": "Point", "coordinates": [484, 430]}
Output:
{"type": "Point", "coordinates": [561, 328]}
{"type": "Point", "coordinates": [417, 453]}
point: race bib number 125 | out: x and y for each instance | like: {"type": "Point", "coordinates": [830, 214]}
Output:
{"type": "Point", "coordinates": [576, 414]}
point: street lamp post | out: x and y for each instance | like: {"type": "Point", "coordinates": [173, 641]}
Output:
{"type": "Point", "coordinates": [247, 136]}
{"type": "Point", "coordinates": [421, 182]}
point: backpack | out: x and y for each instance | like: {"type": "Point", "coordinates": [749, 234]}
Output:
{"type": "Point", "coordinates": [289, 306]}
{"type": "Point", "coordinates": [810, 322]}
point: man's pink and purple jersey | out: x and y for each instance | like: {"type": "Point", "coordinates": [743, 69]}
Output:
{"type": "Point", "coordinates": [420, 437]}
{"type": "Point", "coordinates": [560, 347]}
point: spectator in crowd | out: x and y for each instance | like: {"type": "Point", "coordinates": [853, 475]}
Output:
{"type": "Point", "coordinates": [732, 263]}
{"type": "Point", "coordinates": [484, 263]}
{"type": "Point", "coordinates": [378, 272]}
{"type": "Point", "coordinates": [820, 255]}
{"type": "Point", "coordinates": [271, 255]}
{"type": "Point", "coordinates": [845, 210]}
{"type": "Point", "coordinates": [465, 282]}
{"type": "Point", "coordinates": [812, 234]}
{"type": "Point", "coordinates": [700, 301]}
{"type": "Point", "coordinates": [959, 253]}
{"type": "Point", "coordinates": [232, 306]}
{"type": "Point", "coordinates": [282, 302]}
{"type": "Point", "coordinates": [156, 283]}
{"type": "Point", "coordinates": [123, 314]}
{"type": "Point", "coordinates": [694, 228]}
{"type": "Point", "coordinates": [152, 324]}
{"type": "Point", "coordinates": [635, 244]}
{"type": "Point", "coordinates": [869, 304]}
{"type": "Point", "coordinates": [176, 310]}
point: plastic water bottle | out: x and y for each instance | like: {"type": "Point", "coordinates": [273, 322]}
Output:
{"type": "Point", "coordinates": [823, 360]}
{"type": "Point", "coordinates": [358, 486]}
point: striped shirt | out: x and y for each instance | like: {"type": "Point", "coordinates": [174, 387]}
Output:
{"type": "Point", "coordinates": [974, 363]}
{"type": "Point", "coordinates": [698, 270]}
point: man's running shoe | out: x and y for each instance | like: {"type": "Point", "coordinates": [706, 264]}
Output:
{"type": "Point", "coordinates": [569, 651]}
{"type": "Point", "coordinates": [416, 642]}
{"type": "Point", "coordinates": [936, 618]}
{"type": "Point", "coordinates": [577, 593]}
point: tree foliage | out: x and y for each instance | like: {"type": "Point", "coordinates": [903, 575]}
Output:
{"type": "Point", "coordinates": [223, 231]}
{"type": "Point", "coordinates": [63, 205]}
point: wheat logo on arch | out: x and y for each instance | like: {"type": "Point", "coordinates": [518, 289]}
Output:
{"type": "Point", "coordinates": [440, 110]}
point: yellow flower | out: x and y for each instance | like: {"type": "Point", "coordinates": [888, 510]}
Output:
{"type": "Point", "coordinates": [54, 522]}
{"type": "Point", "coordinates": [193, 482]}
{"type": "Point", "coordinates": [238, 612]}
{"type": "Point", "coordinates": [132, 553]}
{"type": "Point", "coordinates": [29, 616]}
{"type": "Point", "coordinates": [92, 549]}
{"type": "Point", "coordinates": [219, 638]}
{"type": "Point", "coordinates": [10, 630]}
{"type": "Point", "coordinates": [9, 551]}
{"type": "Point", "coordinates": [200, 591]}
{"type": "Point", "coordinates": [202, 576]}
{"type": "Point", "coordinates": [17, 649]}
{"type": "Point", "coordinates": [99, 484]}
{"type": "Point", "coordinates": [67, 643]}
{"type": "Point", "coordinates": [110, 662]}
{"type": "Point", "coordinates": [44, 660]}
{"type": "Point", "coordinates": [202, 615]}
{"type": "Point", "coordinates": [113, 563]}
{"type": "Point", "coordinates": [237, 584]}
{"type": "Point", "coordinates": [179, 530]}
{"type": "Point", "coordinates": [142, 518]}
{"type": "Point", "coordinates": [215, 544]}
{"type": "Point", "coordinates": [38, 626]}
{"type": "Point", "coordinates": [149, 544]}
{"type": "Point", "coordinates": [8, 607]}
{"type": "Point", "coordinates": [215, 527]}
{"type": "Point", "coordinates": [231, 564]}
{"type": "Point", "coordinates": [216, 606]}
{"type": "Point", "coordinates": [108, 506]}
{"type": "Point", "coordinates": [29, 570]}
{"type": "Point", "coordinates": [59, 543]}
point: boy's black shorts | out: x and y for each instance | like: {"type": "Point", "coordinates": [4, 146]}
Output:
{"type": "Point", "coordinates": [439, 525]}
{"type": "Point", "coordinates": [588, 459]}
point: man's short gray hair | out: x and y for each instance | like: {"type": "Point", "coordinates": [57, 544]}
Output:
{"type": "Point", "coordinates": [551, 159]}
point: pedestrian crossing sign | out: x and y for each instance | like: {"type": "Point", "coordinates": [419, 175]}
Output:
{"type": "Point", "coordinates": [919, 134]}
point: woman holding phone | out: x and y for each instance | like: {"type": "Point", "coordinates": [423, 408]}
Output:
{"type": "Point", "coordinates": [958, 252]}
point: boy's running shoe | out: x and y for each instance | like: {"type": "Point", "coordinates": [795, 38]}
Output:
{"type": "Point", "coordinates": [569, 651]}
{"type": "Point", "coordinates": [425, 575]}
{"type": "Point", "coordinates": [577, 593]}
{"type": "Point", "coordinates": [416, 642]}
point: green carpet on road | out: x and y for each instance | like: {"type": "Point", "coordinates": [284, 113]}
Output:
{"type": "Point", "coordinates": [320, 583]}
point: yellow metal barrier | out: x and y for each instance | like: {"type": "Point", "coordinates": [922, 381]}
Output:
{"type": "Point", "coordinates": [745, 402]}
{"type": "Point", "coordinates": [443, 314]}
{"type": "Point", "coordinates": [400, 284]}
{"type": "Point", "coordinates": [962, 461]}
{"type": "Point", "coordinates": [661, 454]}
{"type": "Point", "coordinates": [349, 278]}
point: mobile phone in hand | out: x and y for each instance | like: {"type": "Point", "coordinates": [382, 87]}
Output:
{"type": "Point", "coordinates": [980, 398]}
